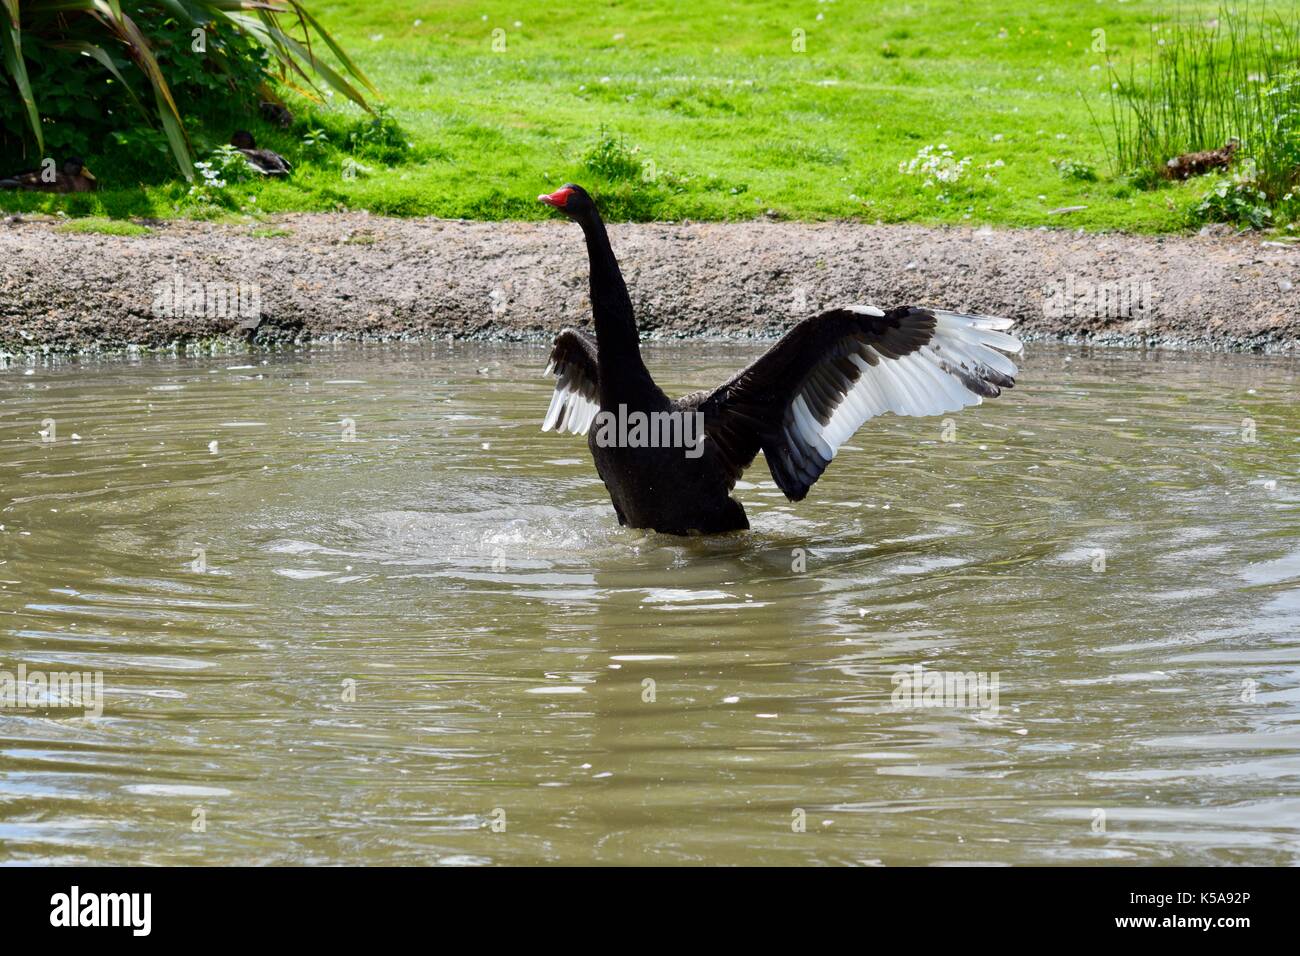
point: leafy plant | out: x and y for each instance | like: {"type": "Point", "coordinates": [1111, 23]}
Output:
{"type": "Point", "coordinates": [1237, 199]}
{"type": "Point", "coordinates": [1074, 169]}
{"type": "Point", "coordinates": [613, 159]}
{"type": "Point", "coordinates": [77, 65]}
{"type": "Point", "coordinates": [379, 137]}
{"type": "Point", "coordinates": [225, 165]}
{"type": "Point", "coordinates": [315, 139]}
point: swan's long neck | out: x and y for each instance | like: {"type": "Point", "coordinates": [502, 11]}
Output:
{"type": "Point", "coordinates": [616, 335]}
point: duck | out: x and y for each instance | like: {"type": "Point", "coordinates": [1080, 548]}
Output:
{"type": "Point", "coordinates": [1198, 164]}
{"type": "Point", "coordinates": [71, 177]}
{"type": "Point", "coordinates": [671, 465]}
{"type": "Point", "coordinates": [264, 161]}
{"type": "Point", "coordinates": [276, 112]}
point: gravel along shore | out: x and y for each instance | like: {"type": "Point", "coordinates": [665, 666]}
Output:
{"type": "Point", "coordinates": [354, 276]}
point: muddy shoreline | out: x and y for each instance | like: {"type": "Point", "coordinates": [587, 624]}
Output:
{"type": "Point", "coordinates": [313, 277]}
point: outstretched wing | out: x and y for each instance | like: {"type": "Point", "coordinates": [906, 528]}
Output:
{"type": "Point", "coordinates": [576, 399]}
{"type": "Point", "coordinates": [802, 400]}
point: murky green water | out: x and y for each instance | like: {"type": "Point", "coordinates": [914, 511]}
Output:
{"type": "Point", "coordinates": [431, 644]}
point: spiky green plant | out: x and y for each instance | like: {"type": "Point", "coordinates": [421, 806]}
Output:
{"type": "Point", "coordinates": [1236, 76]}
{"type": "Point", "coordinates": [108, 32]}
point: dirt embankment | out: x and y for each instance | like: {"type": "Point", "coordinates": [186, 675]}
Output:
{"type": "Point", "coordinates": [304, 277]}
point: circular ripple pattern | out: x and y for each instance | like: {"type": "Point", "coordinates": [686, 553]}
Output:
{"type": "Point", "coordinates": [352, 606]}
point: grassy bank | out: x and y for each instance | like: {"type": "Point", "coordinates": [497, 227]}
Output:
{"type": "Point", "coordinates": [710, 111]}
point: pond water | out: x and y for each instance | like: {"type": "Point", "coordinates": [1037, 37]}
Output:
{"type": "Point", "coordinates": [350, 605]}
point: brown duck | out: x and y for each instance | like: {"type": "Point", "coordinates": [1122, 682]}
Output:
{"type": "Point", "coordinates": [71, 177]}
{"type": "Point", "coordinates": [264, 161]}
{"type": "Point", "coordinates": [1197, 164]}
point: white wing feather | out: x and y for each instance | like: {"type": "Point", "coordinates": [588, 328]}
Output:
{"type": "Point", "coordinates": [965, 352]}
{"type": "Point", "coordinates": [570, 410]}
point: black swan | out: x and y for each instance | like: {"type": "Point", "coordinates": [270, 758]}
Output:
{"type": "Point", "coordinates": [799, 402]}
{"type": "Point", "coordinates": [71, 177]}
{"type": "Point", "coordinates": [263, 161]}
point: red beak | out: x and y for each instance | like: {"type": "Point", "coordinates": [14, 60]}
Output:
{"type": "Point", "coordinates": [557, 198]}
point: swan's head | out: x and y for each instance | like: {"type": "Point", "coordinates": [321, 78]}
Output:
{"type": "Point", "coordinates": [570, 199]}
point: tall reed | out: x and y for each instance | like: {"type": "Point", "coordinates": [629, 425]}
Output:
{"type": "Point", "coordinates": [1205, 83]}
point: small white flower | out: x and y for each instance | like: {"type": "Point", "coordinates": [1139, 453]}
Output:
{"type": "Point", "coordinates": [940, 167]}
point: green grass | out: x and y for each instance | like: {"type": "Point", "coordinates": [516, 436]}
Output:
{"type": "Point", "coordinates": [733, 120]}
{"type": "Point", "coordinates": [103, 226]}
